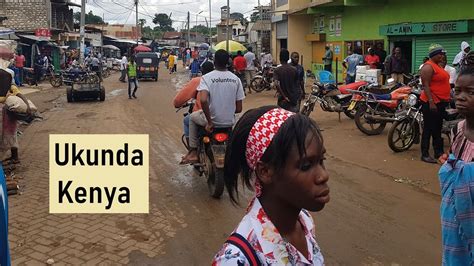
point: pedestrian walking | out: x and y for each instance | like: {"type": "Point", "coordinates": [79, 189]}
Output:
{"type": "Point", "coordinates": [171, 59]}
{"type": "Point", "coordinates": [95, 67]}
{"type": "Point", "coordinates": [240, 64]}
{"type": "Point", "coordinates": [283, 154]}
{"type": "Point", "coordinates": [350, 63]}
{"type": "Point", "coordinates": [132, 77]}
{"type": "Point", "coordinates": [327, 59]}
{"type": "Point", "coordinates": [251, 68]}
{"type": "Point", "coordinates": [9, 123]}
{"type": "Point", "coordinates": [286, 83]}
{"type": "Point", "coordinates": [295, 59]}
{"type": "Point", "coordinates": [434, 98]}
{"type": "Point", "coordinates": [123, 68]}
{"type": "Point", "coordinates": [456, 177]}
{"type": "Point", "coordinates": [396, 65]}
{"type": "Point", "coordinates": [38, 69]}
{"type": "Point", "coordinates": [20, 64]}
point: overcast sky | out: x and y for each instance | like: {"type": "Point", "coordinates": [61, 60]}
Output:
{"type": "Point", "coordinates": [123, 11]}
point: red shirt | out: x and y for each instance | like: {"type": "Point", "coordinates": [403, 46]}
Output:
{"type": "Point", "coordinates": [372, 60]}
{"type": "Point", "coordinates": [240, 63]}
{"type": "Point", "coordinates": [439, 86]}
{"type": "Point", "coordinates": [20, 61]}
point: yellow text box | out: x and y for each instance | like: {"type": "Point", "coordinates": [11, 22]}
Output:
{"type": "Point", "coordinates": [98, 173]}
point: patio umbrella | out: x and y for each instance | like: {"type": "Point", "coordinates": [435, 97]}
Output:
{"type": "Point", "coordinates": [112, 47]}
{"type": "Point", "coordinates": [234, 47]}
{"type": "Point", "coordinates": [5, 53]}
{"type": "Point", "coordinates": [141, 48]}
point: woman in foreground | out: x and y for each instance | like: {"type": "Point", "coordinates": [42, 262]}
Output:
{"type": "Point", "coordinates": [283, 153]}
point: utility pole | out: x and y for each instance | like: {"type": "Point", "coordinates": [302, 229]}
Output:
{"type": "Point", "coordinates": [83, 22]}
{"type": "Point", "coordinates": [259, 40]}
{"type": "Point", "coordinates": [210, 26]}
{"type": "Point", "coordinates": [136, 22]}
{"type": "Point", "coordinates": [189, 33]}
{"type": "Point", "coordinates": [227, 27]}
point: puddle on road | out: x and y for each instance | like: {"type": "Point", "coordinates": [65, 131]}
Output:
{"type": "Point", "coordinates": [115, 93]}
{"type": "Point", "coordinates": [180, 80]}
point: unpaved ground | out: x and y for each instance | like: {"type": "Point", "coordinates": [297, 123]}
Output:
{"type": "Point", "coordinates": [383, 209]}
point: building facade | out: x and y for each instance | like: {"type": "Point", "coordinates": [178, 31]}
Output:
{"type": "Point", "coordinates": [308, 26]}
{"type": "Point", "coordinates": [235, 27]}
{"type": "Point", "coordinates": [29, 15]}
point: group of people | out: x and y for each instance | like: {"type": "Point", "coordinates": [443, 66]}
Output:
{"type": "Point", "coordinates": [280, 154]}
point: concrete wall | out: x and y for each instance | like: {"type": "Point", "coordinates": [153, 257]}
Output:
{"type": "Point", "coordinates": [298, 27]}
{"type": "Point", "coordinates": [26, 15]}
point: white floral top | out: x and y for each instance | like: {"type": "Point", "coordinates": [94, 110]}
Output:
{"type": "Point", "coordinates": [267, 242]}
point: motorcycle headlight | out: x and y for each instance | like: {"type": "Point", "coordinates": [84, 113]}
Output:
{"type": "Point", "coordinates": [315, 90]}
{"type": "Point", "coordinates": [412, 100]}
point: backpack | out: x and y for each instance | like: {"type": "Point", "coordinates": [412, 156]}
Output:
{"type": "Point", "coordinates": [244, 246]}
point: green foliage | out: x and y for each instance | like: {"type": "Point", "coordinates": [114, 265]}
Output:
{"type": "Point", "coordinates": [164, 22]}
{"type": "Point", "coordinates": [90, 18]}
{"type": "Point", "coordinates": [202, 29]}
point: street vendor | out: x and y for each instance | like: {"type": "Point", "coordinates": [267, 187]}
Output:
{"type": "Point", "coordinates": [9, 123]}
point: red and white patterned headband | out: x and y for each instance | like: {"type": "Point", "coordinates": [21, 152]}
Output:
{"type": "Point", "coordinates": [262, 133]}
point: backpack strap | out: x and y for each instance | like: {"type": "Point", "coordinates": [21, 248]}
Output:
{"type": "Point", "coordinates": [245, 247]}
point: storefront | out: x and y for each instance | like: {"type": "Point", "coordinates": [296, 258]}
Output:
{"type": "Point", "coordinates": [414, 39]}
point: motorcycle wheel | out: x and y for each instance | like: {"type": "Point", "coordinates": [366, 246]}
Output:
{"type": "Point", "coordinates": [70, 97]}
{"type": "Point", "coordinates": [402, 134]}
{"type": "Point", "coordinates": [367, 127]}
{"type": "Point", "coordinates": [56, 81]}
{"type": "Point", "coordinates": [216, 184]}
{"type": "Point", "coordinates": [257, 84]}
{"type": "Point", "coordinates": [307, 109]}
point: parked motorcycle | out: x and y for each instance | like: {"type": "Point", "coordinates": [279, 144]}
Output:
{"type": "Point", "coordinates": [331, 98]}
{"type": "Point", "coordinates": [375, 109]}
{"type": "Point", "coordinates": [407, 128]}
{"type": "Point", "coordinates": [263, 79]}
{"type": "Point", "coordinates": [211, 151]}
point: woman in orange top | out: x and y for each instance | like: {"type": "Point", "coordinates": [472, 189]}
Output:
{"type": "Point", "coordinates": [434, 98]}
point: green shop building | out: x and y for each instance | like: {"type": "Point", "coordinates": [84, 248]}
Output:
{"type": "Point", "coordinates": [412, 25]}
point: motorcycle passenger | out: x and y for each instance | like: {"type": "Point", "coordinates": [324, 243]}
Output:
{"type": "Point", "coordinates": [221, 98]}
{"type": "Point", "coordinates": [286, 83]}
{"type": "Point", "coordinates": [434, 98]}
{"type": "Point", "coordinates": [188, 92]}
{"type": "Point", "coordinates": [283, 154]}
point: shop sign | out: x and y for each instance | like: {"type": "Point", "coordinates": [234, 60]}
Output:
{"type": "Point", "coordinates": [425, 28]}
{"type": "Point", "coordinates": [43, 32]}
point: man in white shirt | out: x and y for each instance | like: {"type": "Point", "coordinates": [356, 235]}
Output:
{"type": "Point", "coordinates": [251, 68]}
{"type": "Point", "coordinates": [221, 98]}
{"type": "Point", "coordinates": [123, 68]}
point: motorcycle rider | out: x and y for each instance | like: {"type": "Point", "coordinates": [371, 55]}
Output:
{"type": "Point", "coordinates": [188, 92]}
{"type": "Point", "coordinates": [221, 94]}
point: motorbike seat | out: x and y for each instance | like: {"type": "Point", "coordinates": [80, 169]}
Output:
{"type": "Point", "coordinates": [352, 86]}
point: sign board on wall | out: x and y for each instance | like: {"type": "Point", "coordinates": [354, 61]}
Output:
{"type": "Point", "coordinates": [332, 25]}
{"type": "Point", "coordinates": [321, 23]}
{"type": "Point", "coordinates": [43, 32]}
{"type": "Point", "coordinates": [446, 27]}
{"type": "Point", "coordinates": [338, 25]}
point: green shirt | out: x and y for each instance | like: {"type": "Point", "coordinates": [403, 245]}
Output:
{"type": "Point", "coordinates": [328, 57]}
{"type": "Point", "coordinates": [132, 70]}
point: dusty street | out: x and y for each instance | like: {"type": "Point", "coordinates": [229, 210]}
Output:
{"type": "Point", "coordinates": [383, 209]}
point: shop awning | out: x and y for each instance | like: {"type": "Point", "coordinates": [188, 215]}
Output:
{"type": "Point", "coordinates": [112, 47]}
{"type": "Point", "coordinates": [36, 38]}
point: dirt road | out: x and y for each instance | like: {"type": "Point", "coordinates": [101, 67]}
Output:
{"type": "Point", "coordinates": [383, 209]}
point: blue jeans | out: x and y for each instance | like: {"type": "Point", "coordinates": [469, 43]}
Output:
{"type": "Point", "coordinates": [350, 79]}
{"type": "Point", "coordinates": [186, 125]}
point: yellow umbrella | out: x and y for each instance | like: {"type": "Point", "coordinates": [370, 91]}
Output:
{"type": "Point", "coordinates": [234, 47]}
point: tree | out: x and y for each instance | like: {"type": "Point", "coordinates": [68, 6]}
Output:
{"type": "Point", "coordinates": [203, 29]}
{"type": "Point", "coordinates": [90, 18]}
{"type": "Point", "coordinates": [164, 22]}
